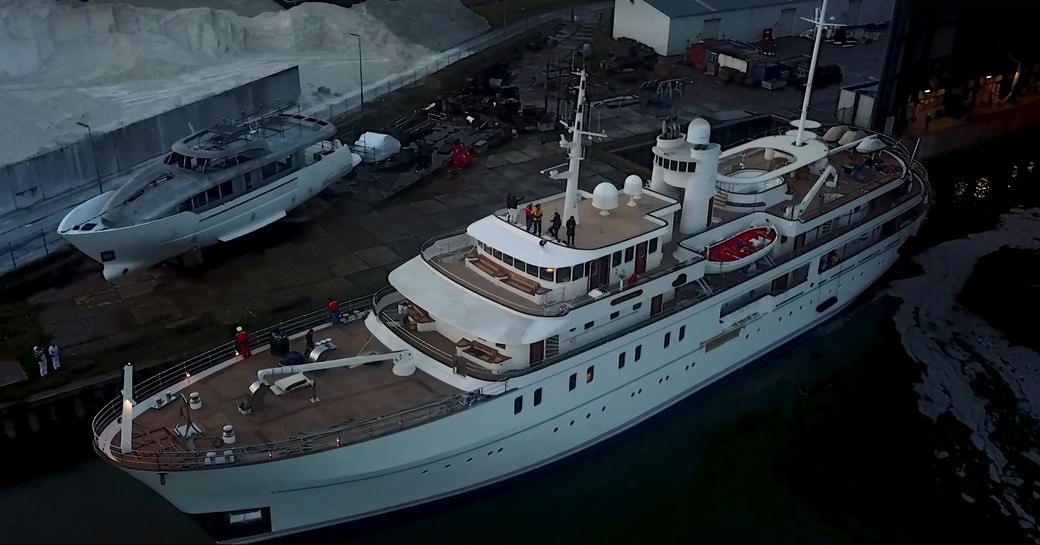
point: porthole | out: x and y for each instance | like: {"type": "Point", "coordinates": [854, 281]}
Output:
{"type": "Point", "coordinates": [556, 430]}
{"type": "Point", "coordinates": [424, 471]}
{"type": "Point", "coordinates": [660, 380]}
{"type": "Point", "coordinates": [572, 422]}
{"type": "Point", "coordinates": [666, 377]}
{"type": "Point", "coordinates": [603, 408]}
{"type": "Point", "coordinates": [499, 450]}
{"type": "Point", "coordinates": [588, 415]}
{"type": "Point", "coordinates": [633, 394]}
{"type": "Point", "coordinates": [640, 391]}
{"type": "Point", "coordinates": [447, 466]}
{"type": "Point", "coordinates": [469, 459]}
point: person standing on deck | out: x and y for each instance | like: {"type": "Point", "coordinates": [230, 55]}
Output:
{"type": "Point", "coordinates": [571, 224]}
{"type": "Point", "coordinates": [55, 353]}
{"type": "Point", "coordinates": [529, 216]}
{"type": "Point", "coordinates": [310, 340]}
{"type": "Point", "coordinates": [41, 359]}
{"type": "Point", "coordinates": [333, 308]}
{"type": "Point", "coordinates": [242, 339]}
{"type": "Point", "coordinates": [554, 226]}
{"type": "Point", "coordinates": [536, 214]}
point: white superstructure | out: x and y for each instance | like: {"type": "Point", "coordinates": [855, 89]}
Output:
{"type": "Point", "coordinates": [214, 186]}
{"type": "Point", "coordinates": [511, 350]}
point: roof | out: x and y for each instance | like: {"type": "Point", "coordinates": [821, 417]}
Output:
{"type": "Point", "coordinates": [689, 8]}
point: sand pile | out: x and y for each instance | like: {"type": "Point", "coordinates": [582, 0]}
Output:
{"type": "Point", "coordinates": [111, 62]}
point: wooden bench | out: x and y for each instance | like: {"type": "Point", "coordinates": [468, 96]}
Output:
{"type": "Point", "coordinates": [485, 352]}
{"type": "Point", "coordinates": [417, 313]}
{"type": "Point", "coordinates": [525, 285]}
{"type": "Point", "coordinates": [485, 264]}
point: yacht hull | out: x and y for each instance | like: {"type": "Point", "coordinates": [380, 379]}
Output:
{"type": "Point", "coordinates": [124, 250]}
{"type": "Point", "coordinates": [491, 441]}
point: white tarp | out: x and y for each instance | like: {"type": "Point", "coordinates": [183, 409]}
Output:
{"type": "Point", "coordinates": [374, 147]}
{"type": "Point", "coordinates": [739, 65]}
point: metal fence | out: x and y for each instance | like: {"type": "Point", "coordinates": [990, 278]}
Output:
{"type": "Point", "coordinates": [31, 247]}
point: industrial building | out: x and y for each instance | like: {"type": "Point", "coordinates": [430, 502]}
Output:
{"type": "Point", "coordinates": [670, 27]}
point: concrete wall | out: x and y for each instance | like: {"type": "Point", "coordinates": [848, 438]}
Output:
{"type": "Point", "coordinates": [641, 22]}
{"type": "Point", "coordinates": [72, 167]}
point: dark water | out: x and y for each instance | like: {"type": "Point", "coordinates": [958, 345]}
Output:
{"type": "Point", "coordinates": [821, 443]}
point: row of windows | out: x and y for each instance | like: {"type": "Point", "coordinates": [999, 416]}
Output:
{"type": "Point", "coordinates": [562, 274]}
{"type": "Point", "coordinates": [590, 373]}
{"type": "Point", "coordinates": [673, 165]}
{"type": "Point", "coordinates": [226, 189]}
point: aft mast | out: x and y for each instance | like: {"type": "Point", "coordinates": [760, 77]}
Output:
{"type": "Point", "coordinates": [570, 202]}
{"type": "Point", "coordinates": [819, 22]}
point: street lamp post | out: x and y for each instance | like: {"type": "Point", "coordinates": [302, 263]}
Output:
{"type": "Point", "coordinates": [93, 156]}
{"type": "Point", "coordinates": [361, 72]}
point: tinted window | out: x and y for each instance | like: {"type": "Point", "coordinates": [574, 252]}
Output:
{"type": "Point", "coordinates": [563, 275]}
{"type": "Point", "coordinates": [630, 254]}
{"type": "Point", "coordinates": [653, 245]}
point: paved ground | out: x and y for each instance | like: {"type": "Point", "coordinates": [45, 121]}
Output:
{"type": "Point", "coordinates": [338, 246]}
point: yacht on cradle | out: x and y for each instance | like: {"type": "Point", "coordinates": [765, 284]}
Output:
{"type": "Point", "coordinates": [214, 186]}
{"type": "Point", "coordinates": [506, 351]}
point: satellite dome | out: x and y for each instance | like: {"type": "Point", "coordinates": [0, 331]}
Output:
{"type": "Point", "coordinates": [633, 188]}
{"type": "Point", "coordinates": [605, 197]}
{"type": "Point", "coordinates": [699, 132]}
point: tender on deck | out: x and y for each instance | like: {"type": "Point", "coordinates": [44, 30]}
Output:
{"type": "Point", "coordinates": [345, 396]}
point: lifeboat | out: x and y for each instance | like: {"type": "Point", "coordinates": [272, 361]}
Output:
{"type": "Point", "coordinates": [740, 250]}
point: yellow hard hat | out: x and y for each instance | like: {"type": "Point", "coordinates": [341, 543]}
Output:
{"type": "Point", "coordinates": [239, 328]}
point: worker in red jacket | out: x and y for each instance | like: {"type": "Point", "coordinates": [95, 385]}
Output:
{"type": "Point", "coordinates": [242, 338]}
{"type": "Point", "coordinates": [333, 308]}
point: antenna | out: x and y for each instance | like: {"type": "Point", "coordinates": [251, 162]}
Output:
{"type": "Point", "coordinates": [819, 22]}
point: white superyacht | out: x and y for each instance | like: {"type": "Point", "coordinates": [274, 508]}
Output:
{"type": "Point", "coordinates": [214, 186]}
{"type": "Point", "coordinates": [503, 351]}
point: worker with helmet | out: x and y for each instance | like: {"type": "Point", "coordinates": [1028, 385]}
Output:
{"type": "Point", "coordinates": [242, 338]}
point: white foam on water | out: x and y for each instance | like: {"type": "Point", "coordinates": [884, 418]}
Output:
{"type": "Point", "coordinates": [958, 347]}
{"type": "Point", "coordinates": [109, 63]}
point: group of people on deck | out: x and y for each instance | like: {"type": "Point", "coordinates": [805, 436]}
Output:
{"type": "Point", "coordinates": [533, 219]}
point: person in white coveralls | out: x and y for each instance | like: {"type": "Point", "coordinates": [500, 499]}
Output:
{"type": "Point", "coordinates": [55, 354]}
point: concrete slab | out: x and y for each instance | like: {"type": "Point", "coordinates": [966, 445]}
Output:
{"type": "Point", "coordinates": [155, 311]}
{"type": "Point", "coordinates": [512, 173]}
{"type": "Point", "coordinates": [71, 332]}
{"type": "Point", "coordinates": [369, 280]}
{"type": "Point", "coordinates": [339, 288]}
{"type": "Point", "coordinates": [390, 232]}
{"type": "Point", "coordinates": [455, 200]}
{"type": "Point", "coordinates": [11, 372]}
{"type": "Point", "coordinates": [99, 299]}
{"type": "Point", "coordinates": [495, 160]}
{"type": "Point", "coordinates": [347, 264]}
{"type": "Point", "coordinates": [515, 156]}
{"type": "Point", "coordinates": [410, 247]}
{"type": "Point", "coordinates": [377, 256]}
{"type": "Point", "coordinates": [426, 207]}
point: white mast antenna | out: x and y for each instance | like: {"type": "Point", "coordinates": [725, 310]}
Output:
{"type": "Point", "coordinates": [570, 202]}
{"type": "Point", "coordinates": [819, 22]}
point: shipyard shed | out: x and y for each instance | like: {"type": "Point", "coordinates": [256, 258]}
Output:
{"type": "Point", "coordinates": [670, 27]}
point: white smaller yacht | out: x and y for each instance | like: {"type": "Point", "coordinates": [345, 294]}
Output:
{"type": "Point", "coordinates": [214, 186]}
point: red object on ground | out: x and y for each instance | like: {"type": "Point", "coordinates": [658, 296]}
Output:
{"type": "Point", "coordinates": [740, 246]}
{"type": "Point", "coordinates": [460, 157]}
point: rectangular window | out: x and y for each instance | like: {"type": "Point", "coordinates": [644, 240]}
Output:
{"type": "Point", "coordinates": [507, 259]}
{"type": "Point", "coordinates": [518, 405]}
{"type": "Point", "coordinates": [573, 381]}
{"type": "Point", "coordinates": [563, 275]}
{"type": "Point", "coordinates": [630, 254]}
{"type": "Point", "coordinates": [213, 194]}
{"type": "Point", "coordinates": [682, 333]}
{"type": "Point", "coordinates": [617, 258]}
{"type": "Point", "coordinates": [589, 325]}
{"type": "Point", "coordinates": [537, 397]}
{"type": "Point", "coordinates": [614, 315]}
{"type": "Point", "coordinates": [520, 265]}
{"type": "Point", "coordinates": [590, 374]}
{"type": "Point", "coordinates": [198, 201]}
{"type": "Point", "coordinates": [578, 271]}
{"type": "Point", "coordinates": [532, 270]}
{"type": "Point", "coordinates": [667, 339]}
{"type": "Point", "coordinates": [185, 206]}
{"type": "Point", "coordinates": [268, 170]}
{"type": "Point", "coordinates": [639, 353]}
{"type": "Point", "coordinates": [497, 254]}
{"type": "Point", "coordinates": [546, 273]}
{"type": "Point", "coordinates": [653, 245]}
{"type": "Point", "coordinates": [226, 189]}
{"type": "Point", "coordinates": [636, 306]}
{"type": "Point", "coordinates": [621, 360]}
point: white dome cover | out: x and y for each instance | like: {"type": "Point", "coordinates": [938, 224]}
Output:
{"type": "Point", "coordinates": [605, 196]}
{"type": "Point", "coordinates": [634, 186]}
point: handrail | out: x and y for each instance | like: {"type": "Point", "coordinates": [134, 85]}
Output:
{"type": "Point", "coordinates": [170, 375]}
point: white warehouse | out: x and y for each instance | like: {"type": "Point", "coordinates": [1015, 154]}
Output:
{"type": "Point", "coordinates": [671, 26]}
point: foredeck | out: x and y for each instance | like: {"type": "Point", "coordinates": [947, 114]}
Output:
{"type": "Point", "coordinates": [345, 396]}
